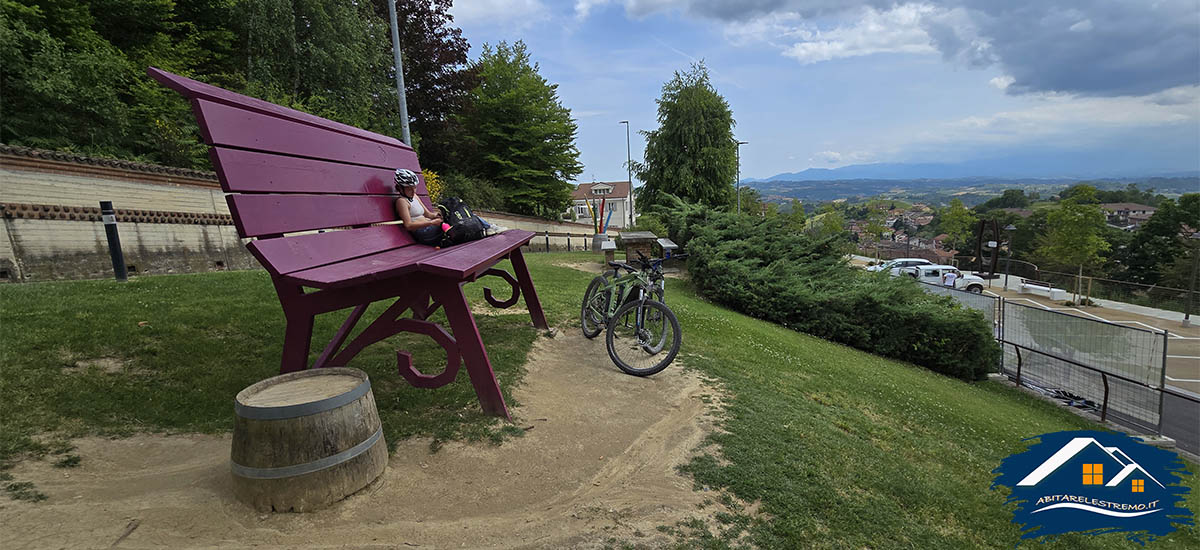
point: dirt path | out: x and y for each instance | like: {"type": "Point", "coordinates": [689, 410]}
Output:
{"type": "Point", "coordinates": [598, 464]}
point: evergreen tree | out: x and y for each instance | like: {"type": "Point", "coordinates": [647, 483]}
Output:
{"type": "Point", "coordinates": [523, 138]}
{"type": "Point", "coordinates": [692, 154]}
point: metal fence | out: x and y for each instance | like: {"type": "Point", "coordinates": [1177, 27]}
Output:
{"type": "Point", "coordinates": [989, 306]}
{"type": "Point", "coordinates": [1115, 369]}
{"type": "Point", "coordinates": [1162, 297]}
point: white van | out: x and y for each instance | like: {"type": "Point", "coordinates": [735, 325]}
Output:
{"type": "Point", "coordinates": [932, 274]}
{"type": "Point", "coordinates": [894, 266]}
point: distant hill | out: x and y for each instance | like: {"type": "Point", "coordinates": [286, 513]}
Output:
{"type": "Point", "coordinates": [971, 190]}
{"type": "Point", "coordinates": [1044, 166]}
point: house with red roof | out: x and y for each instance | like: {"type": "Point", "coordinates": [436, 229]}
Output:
{"type": "Point", "coordinates": [613, 196]}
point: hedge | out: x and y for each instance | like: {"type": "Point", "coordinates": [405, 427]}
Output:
{"type": "Point", "coordinates": [761, 268]}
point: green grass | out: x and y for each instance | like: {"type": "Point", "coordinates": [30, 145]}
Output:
{"type": "Point", "coordinates": [842, 449]}
{"type": "Point", "coordinates": [168, 353]}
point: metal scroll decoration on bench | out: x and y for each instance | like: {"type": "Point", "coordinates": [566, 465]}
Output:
{"type": "Point", "coordinates": [288, 173]}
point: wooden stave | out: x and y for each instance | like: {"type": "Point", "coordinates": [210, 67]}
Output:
{"type": "Point", "coordinates": [261, 444]}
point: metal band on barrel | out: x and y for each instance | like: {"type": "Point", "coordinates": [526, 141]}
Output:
{"type": "Point", "coordinates": [307, 467]}
{"type": "Point", "coordinates": [302, 409]}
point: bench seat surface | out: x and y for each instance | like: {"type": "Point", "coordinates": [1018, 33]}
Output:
{"type": "Point", "coordinates": [460, 261]}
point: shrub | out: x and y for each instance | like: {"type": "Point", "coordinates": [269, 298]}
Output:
{"type": "Point", "coordinates": [763, 269]}
{"type": "Point", "coordinates": [479, 193]}
{"type": "Point", "coordinates": [650, 222]}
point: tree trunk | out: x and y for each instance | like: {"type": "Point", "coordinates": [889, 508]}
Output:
{"type": "Point", "coordinates": [1078, 282]}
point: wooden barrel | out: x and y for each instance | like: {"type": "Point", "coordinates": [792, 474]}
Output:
{"type": "Point", "coordinates": [306, 439]}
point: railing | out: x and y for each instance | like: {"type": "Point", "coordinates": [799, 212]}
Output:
{"type": "Point", "coordinates": [1161, 297]}
{"type": "Point", "coordinates": [1103, 376]}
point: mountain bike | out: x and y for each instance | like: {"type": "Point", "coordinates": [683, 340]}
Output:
{"type": "Point", "coordinates": [642, 333]}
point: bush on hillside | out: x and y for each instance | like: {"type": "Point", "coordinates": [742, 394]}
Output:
{"type": "Point", "coordinates": [761, 268]}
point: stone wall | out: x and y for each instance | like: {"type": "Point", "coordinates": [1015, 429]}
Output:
{"type": "Point", "coordinates": [170, 220]}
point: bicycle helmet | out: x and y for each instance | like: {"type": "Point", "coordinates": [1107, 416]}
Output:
{"type": "Point", "coordinates": [406, 178]}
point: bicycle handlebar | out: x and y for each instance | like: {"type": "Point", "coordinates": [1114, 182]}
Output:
{"type": "Point", "coordinates": [622, 265]}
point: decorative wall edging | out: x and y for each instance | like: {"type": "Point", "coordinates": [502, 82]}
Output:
{"type": "Point", "coordinates": [83, 213]}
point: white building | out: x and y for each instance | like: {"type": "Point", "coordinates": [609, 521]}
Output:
{"type": "Point", "coordinates": [614, 195]}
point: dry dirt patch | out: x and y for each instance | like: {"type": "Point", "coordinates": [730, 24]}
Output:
{"type": "Point", "coordinates": [599, 463]}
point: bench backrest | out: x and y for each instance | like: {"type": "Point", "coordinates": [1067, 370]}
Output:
{"type": "Point", "coordinates": [287, 171]}
{"type": "Point", "coordinates": [1032, 282]}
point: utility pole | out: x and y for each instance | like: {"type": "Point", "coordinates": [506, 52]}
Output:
{"type": "Point", "coordinates": [628, 171]}
{"type": "Point", "coordinates": [737, 185]}
{"type": "Point", "coordinates": [399, 74]}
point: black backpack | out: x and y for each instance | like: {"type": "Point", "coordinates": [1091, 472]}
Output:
{"type": "Point", "coordinates": [465, 226]}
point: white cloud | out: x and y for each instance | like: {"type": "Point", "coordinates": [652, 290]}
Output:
{"type": "Point", "coordinates": [518, 13]}
{"type": "Point", "coordinates": [872, 31]}
{"type": "Point", "coordinates": [1001, 82]}
{"type": "Point", "coordinates": [834, 157]}
{"type": "Point", "coordinates": [1082, 26]}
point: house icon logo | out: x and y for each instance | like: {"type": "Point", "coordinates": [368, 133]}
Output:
{"type": "Point", "coordinates": [1095, 482]}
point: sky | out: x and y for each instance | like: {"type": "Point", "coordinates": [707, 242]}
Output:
{"type": "Point", "coordinates": [828, 83]}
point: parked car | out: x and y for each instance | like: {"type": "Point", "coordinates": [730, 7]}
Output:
{"type": "Point", "coordinates": [894, 266]}
{"type": "Point", "coordinates": [932, 274]}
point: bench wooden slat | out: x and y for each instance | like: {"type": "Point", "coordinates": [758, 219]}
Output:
{"type": "Point", "coordinates": [255, 172]}
{"type": "Point", "coordinates": [290, 254]}
{"type": "Point", "coordinates": [258, 215]}
{"type": "Point", "coordinates": [382, 265]}
{"type": "Point", "coordinates": [230, 126]}
{"type": "Point", "coordinates": [193, 89]}
{"type": "Point", "coordinates": [467, 259]}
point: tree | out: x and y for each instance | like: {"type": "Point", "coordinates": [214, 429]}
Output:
{"type": "Point", "coordinates": [1012, 198]}
{"type": "Point", "coordinates": [437, 78]}
{"type": "Point", "coordinates": [828, 223]}
{"type": "Point", "coordinates": [1074, 233]}
{"type": "Point", "coordinates": [523, 138]}
{"type": "Point", "coordinates": [795, 218]}
{"type": "Point", "coordinates": [875, 227]}
{"type": "Point", "coordinates": [957, 222]}
{"type": "Point", "coordinates": [1161, 240]}
{"type": "Point", "coordinates": [692, 154]}
{"type": "Point", "coordinates": [1080, 192]}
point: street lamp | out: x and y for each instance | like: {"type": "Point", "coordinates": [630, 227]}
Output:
{"type": "Point", "coordinates": [737, 185]}
{"type": "Point", "coordinates": [1187, 311]}
{"type": "Point", "coordinates": [399, 74]}
{"type": "Point", "coordinates": [628, 171]}
{"type": "Point", "coordinates": [1008, 259]}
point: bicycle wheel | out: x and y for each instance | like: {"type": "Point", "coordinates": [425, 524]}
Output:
{"type": "Point", "coordinates": [595, 306]}
{"type": "Point", "coordinates": [643, 337]}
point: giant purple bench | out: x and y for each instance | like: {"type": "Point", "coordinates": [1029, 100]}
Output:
{"type": "Point", "coordinates": [288, 174]}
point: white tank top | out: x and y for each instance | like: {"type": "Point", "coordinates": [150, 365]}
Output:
{"type": "Point", "coordinates": [415, 208]}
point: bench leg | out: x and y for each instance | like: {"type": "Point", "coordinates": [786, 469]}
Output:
{"type": "Point", "coordinates": [297, 337]}
{"type": "Point", "coordinates": [296, 342]}
{"type": "Point", "coordinates": [470, 344]}
{"type": "Point", "coordinates": [530, 293]}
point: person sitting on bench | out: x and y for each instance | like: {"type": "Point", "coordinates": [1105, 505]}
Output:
{"type": "Point", "coordinates": [424, 225]}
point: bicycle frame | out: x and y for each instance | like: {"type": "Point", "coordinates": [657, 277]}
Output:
{"type": "Point", "coordinates": [622, 287]}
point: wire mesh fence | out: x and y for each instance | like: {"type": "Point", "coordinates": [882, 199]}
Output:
{"type": "Point", "coordinates": [1115, 369]}
{"type": "Point", "coordinates": [989, 306]}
